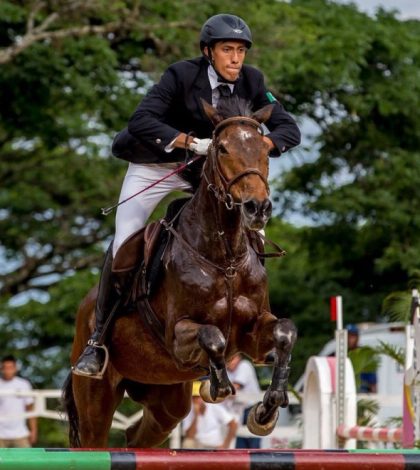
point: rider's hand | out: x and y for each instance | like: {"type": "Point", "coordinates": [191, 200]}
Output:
{"type": "Point", "coordinates": [200, 146]}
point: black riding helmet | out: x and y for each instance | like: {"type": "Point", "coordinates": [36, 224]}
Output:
{"type": "Point", "coordinates": [225, 27]}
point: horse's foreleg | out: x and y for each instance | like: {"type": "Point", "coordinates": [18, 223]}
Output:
{"type": "Point", "coordinates": [263, 416]}
{"type": "Point", "coordinates": [197, 344]}
{"type": "Point", "coordinates": [212, 341]}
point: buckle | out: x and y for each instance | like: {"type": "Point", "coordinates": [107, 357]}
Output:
{"type": "Point", "coordinates": [230, 272]}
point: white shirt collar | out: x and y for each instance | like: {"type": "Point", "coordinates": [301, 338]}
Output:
{"type": "Point", "coordinates": [213, 78]}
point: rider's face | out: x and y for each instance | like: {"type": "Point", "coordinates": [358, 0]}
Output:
{"type": "Point", "coordinates": [228, 57]}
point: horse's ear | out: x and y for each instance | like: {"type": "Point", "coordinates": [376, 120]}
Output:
{"type": "Point", "coordinates": [264, 113]}
{"type": "Point", "coordinates": [211, 112]}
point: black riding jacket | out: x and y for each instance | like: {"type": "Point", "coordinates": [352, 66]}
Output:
{"type": "Point", "coordinates": [173, 105]}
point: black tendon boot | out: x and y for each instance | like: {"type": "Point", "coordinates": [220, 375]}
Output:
{"type": "Point", "coordinates": [94, 359]}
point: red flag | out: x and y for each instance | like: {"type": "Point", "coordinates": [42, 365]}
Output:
{"type": "Point", "coordinates": [333, 308]}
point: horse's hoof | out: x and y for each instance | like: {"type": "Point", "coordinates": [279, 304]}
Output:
{"type": "Point", "coordinates": [284, 401]}
{"type": "Point", "coordinates": [205, 393]}
{"type": "Point", "coordinates": [257, 428]}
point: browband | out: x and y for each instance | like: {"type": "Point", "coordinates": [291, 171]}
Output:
{"type": "Point", "coordinates": [241, 119]}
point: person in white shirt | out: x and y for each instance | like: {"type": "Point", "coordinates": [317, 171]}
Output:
{"type": "Point", "coordinates": [244, 378]}
{"type": "Point", "coordinates": [208, 426]}
{"type": "Point", "coordinates": [14, 432]}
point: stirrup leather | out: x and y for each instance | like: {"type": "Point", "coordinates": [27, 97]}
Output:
{"type": "Point", "coordinates": [94, 344]}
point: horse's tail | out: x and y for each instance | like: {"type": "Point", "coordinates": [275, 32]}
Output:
{"type": "Point", "coordinates": [71, 410]}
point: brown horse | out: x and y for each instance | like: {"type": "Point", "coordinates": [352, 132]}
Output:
{"type": "Point", "coordinates": [212, 302]}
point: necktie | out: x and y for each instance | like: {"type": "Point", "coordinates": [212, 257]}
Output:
{"type": "Point", "coordinates": [224, 91]}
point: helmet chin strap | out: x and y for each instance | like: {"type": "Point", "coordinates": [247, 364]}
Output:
{"type": "Point", "coordinates": [221, 79]}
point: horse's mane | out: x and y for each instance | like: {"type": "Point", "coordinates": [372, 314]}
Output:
{"type": "Point", "coordinates": [234, 106]}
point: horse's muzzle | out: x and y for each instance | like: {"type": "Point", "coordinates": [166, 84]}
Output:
{"type": "Point", "coordinates": [256, 213]}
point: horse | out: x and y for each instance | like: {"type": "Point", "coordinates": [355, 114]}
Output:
{"type": "Point", "coordinates": [212, 302]}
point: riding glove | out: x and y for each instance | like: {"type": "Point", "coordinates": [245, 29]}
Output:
{"type": "Point", "coordinates": [200, 146]}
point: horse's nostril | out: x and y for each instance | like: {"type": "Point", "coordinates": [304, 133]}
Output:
{"type": "Point", "coordinates": [267, 206]}
{"type": "Point", "coordinates": [255, 208]}
{"type": "Point", "coordinates": [251, 207]}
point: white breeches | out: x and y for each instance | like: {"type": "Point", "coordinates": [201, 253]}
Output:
{"type": "Point", "coordinates": [133, 214]}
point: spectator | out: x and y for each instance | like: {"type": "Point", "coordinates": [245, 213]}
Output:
{"type": "Point", "coordinates": [243, 376]}
{"type": "Point", "coordinates": [368, 378]}
{"type": "Point", "coordinates": [352, 337]}
{"type": "Point", "coordinates": [15, 432]}
{"type": "Point", "coordinates": [208, 426]}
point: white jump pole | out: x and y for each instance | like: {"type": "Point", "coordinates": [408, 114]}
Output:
{"type": "Point", "coordinates": [411, 402]}
{"type": "Point", "coordinates": [336, 312]}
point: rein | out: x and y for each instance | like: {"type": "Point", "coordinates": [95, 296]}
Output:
{"type": "Point", "coordinates": [229, 271]}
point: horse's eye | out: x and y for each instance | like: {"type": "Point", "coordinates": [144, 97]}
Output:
{"type": "Point", "coordinates": [222, 149]}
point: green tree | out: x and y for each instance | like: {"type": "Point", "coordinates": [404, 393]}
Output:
{"type": "Point", "coordinates": [356, 78]}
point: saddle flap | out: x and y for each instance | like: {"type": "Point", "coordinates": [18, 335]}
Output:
{"type": "Point", "coordinates": [130, 253]}
{"type": "Point", "coordinates": [147, 244]}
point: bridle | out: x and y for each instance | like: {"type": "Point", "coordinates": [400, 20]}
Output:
{"type": "Point", "coordinates": [222, 193]}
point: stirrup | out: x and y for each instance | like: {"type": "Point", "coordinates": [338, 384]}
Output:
{"type": "Point", "coordinates": [94, 344]}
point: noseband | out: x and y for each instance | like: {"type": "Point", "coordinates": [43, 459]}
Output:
{"type": "Point", "coordinates": [223, 193]}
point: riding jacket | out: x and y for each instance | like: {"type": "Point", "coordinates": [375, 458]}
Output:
{"type": "Point", "coordinates": [173, 106]}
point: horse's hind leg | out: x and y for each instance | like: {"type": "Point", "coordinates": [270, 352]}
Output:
{"type": "Point", "coordinates": [164, 407]}
{"type": "Point", "coordinates": [96, 401]}
{"type": "Point", "coordinates": [282, 335]}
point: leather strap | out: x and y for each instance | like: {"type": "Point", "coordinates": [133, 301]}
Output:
{"type": "Point", "coordinates": [150, 317]}
{"type": "Point", "coordinates": [277, 254]}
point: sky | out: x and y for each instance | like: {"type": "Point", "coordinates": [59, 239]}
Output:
{"type": "Point", "coordinates": [407, 8]}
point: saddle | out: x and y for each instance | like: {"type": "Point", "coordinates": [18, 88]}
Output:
{"type": "Point", "coordinates": [143, 252]}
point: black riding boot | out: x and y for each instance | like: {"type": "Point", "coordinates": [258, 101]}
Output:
{"type": "Point", "coordinates": [94, 359]}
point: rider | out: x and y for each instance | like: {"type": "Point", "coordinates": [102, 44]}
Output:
{"type": "Point", "coordinates": [156, 138]}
